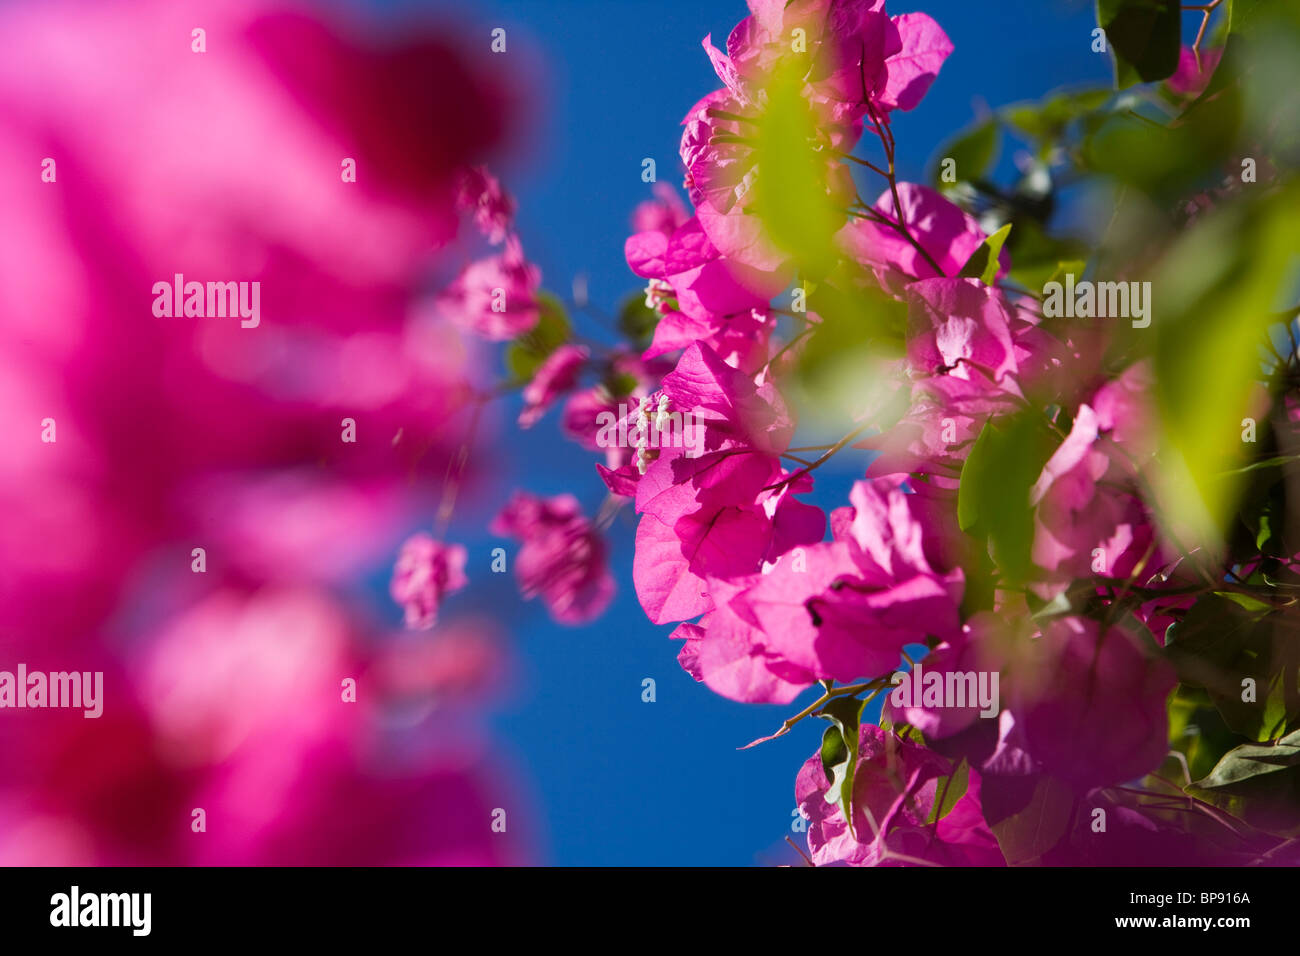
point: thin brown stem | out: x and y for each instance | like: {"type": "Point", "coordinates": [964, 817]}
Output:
{"type": "Point", "coordinates": [846, 440]}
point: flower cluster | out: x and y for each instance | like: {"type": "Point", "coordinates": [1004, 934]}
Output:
{"type": "Point", "coordinates": [1015, 579]}
{"type": "Point", "coordinates": [1005, 521]}
{"type": "Point", "coordinates": [193, 518]}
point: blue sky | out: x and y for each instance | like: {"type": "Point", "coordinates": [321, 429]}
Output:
{"type": "Point", "coordinates": [615, 780]}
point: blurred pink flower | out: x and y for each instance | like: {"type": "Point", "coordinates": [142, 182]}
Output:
{"type": "Point", "coordinates": [495, 297]}
{"type": "Point", "coordinates": [480, 194]}
{"type": "Point", "coordinates": [562, 557]}
{"type": "Point", "coordinates": [318, 156]}
{"type": "Point", "coordinates": [557, 374]}
{"type": "Point", "coordinates": [426, 572]}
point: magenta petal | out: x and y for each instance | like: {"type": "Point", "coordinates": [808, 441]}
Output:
{"type": "Point", "coordinates": [913, 69]}
{"type": "Point", "coordinates": [665, 586]}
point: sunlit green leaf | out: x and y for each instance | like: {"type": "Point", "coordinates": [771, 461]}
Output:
{"type": "Point", "coordinates": [839, 751]}
{"type": "Point", "coordinates": [792, 188]}
{"type": "Point", "coordinates": [993, 497]}
{"type": "Point", "coordinates": [1214, 297]}
{"type": "Point", "coordinates": [948, 790]}
{"type": "Point", "coordinates": [983, 262]}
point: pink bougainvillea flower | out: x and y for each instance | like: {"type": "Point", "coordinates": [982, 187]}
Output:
{"type": "Point", "coordinates": [557, 374]}
{"type": "Point", "coordinates": [286, 525]}
{"type": "Point", "coordinates": [719, 179]}
{"type": "Point", "coordinates": [973, 354]}
{"type": "Point", "coordinates": [561, 558]}
{"type": "Point", "coordinates": [197, 433]}
{"type": "Point", "coordinates": [855, 602]}
{"type": "Point", "coordinates": [464, 659]}
{"type": "Point", "coordinates": [1082, 525]}
{"type": "Point", "coordinates": [705, 406]}
{"type": "Point", "coordinates": [711, 510]}
{"type": "Point", "coordinates": [338, 264]}
{"type": "Point", "coordinates": [734, 410]}
{"type": "Point", "coordinates": [1126, 412]}
{"type": "Point", "coordinates": [1091, 707]}
{"type": "Point", "coordinates": [708, 518]}
{"type": "Point", "coordinates": [664, 213]}
{"type": "Point", "coordinates": [948, 235]}
{"type": "Point", "coordinates": [631, 377]}
{"type": "Point", "coordinates": [960, 327]}
{"type": "Point", "coordinates": [895, 787]}
{"type": "Point", "coordinates": [588, 413]}
{"type": "Point", "coordinates": [687, 274]}
{"type": "Point", "coordinates": [495, 297]}
{"type": "Point", "coordinates": [859, 53]}
{"type": "Point", "coordinates": [882, 800]}
{"type": "Point", "coordinates": [665, 586]}
{"type": "Point", "coordinates": [425, 573]}
{"type": "Point", "coordinates": [741, 340]}
{"type": "Point", "coordinates": [1192, 77]}
{"type": "Point", "coordinates": [1137, 834]}
{"type": "Point", "coordinates": [965, 655]}
{"type": "Point", "coordinates": [729, 655]}
{"type": "Point", "coordinates": [914, 67]}
{"type": "Point", "coordinates": [479, 193]}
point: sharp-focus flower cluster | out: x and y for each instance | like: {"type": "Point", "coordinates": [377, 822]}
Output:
{"type": "Point", "coordinates": [1005, 575]}
{"type": "Point", "coordinates": [1004, 525]}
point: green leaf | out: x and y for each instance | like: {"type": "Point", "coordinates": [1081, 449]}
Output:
{"type": "Point", "coordinates": [1211, 639]}
{"type": "Point", "coordinates": [1251, 760]}
{"type": "Point", "coordinates": [1143, 36]}
{"type": "Point", "coordinates": [993, 497]}
{"type": "Point", "coordinates": [552, 330]}
{"type": "Point", "coordinates": [840, 751]}
{"type": "Point", "coordinates": [1263, 518]}
{"type": "Point", "coordinates": [635, 320]}
{"type": "Point", "coordinates": [1058, 605]}
{"type": "Point", "coordinates": [1253, 17]}
{"type": "Point", "coordinates": [1259, 783]}
{"type": "Point", "coordinates": [1165, 161]}
{"type": "Point", "coordinates": [843, 363]}
{"type": "Point", "coordinates": [1070, 267]}
{"type": "Point", "coordinates": [948, 790]}
{"type": "Point", "coordinates": [792, 177]}
{"type": "Point", "coordinates": [903, 731]}
{"type": "Point", "coordinates": [1224, 638]}
{"type": "Point", "coordinates": [1037, 258]}
{"type": "Point", "coordinates": [1029, 832]}
{"type": "Point", "coordinates": [983, 262]}
{"type": "Point", "coordinates": [1244, 601]}
{"type": "Point", "coordinates": [1214, 296]}
{"type": "Point", "coordinates": [1047, 121]}
{"type": "Point", "coordinates": [973, 152]}
{"type": "Point", "coordinates": [620, 384]}
{"type": "Point", "coordinates": [1274, 462]}
{"type": "Point", "coordinates": [1197, 729]}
